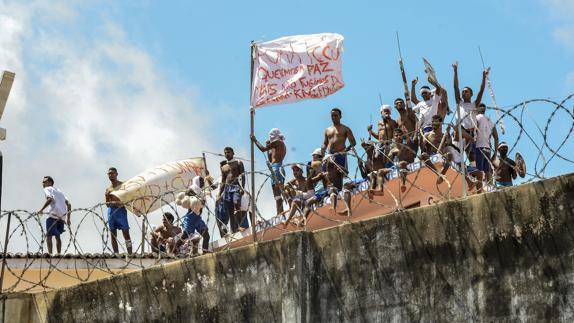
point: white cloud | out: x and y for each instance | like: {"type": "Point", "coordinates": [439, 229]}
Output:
{"type": "Point", "coordinates": [81, 105]}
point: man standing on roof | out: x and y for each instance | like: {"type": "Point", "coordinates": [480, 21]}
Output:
{"type": "Point", "coordinates": [433, 104]}
{"type": "Point", "coordinates": [484, 131]}
{"type": "Point", "coordinates": [231, 187]}
{"type": "Point", "coordinates": [385, 127]}
{"type": "Point", "coordinates": [505, 168]}
{"type": "Point", "coordinates": [192, 221]}
{"type": "Point", "coordinates": [276, 151]}
{"type": "Point", "coordinates": [117, 213]}
{"type": "Point", "coordinates": [334, 143]}
{"type": "Point", "coordinates": [59, 209]}
{"type": "Point", "coordinates": [464, 104]}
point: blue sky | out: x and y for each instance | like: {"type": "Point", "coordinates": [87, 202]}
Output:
{"type": "Point", "coordinates": [137, 83]}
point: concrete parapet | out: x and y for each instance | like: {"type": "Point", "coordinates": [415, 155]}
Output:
{"type": "Point", "coordinates": [502, 256]}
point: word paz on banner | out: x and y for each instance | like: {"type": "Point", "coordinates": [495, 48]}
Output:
{"type": "Point", "coordinates": [295, 68]}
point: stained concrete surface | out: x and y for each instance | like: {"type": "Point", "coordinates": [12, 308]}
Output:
{"type": "Point", "coordinates": [505, 256]}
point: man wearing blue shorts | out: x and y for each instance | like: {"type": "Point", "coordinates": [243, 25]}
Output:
{"type": "Point", "coordinates": [336, 136]}
{"type": "Point", "coordinates": [276, 151]}
{"type": "Point", "coordinates": [192, 221]}
{"type": "Point", "coordinates": [231, 187]}
{"type": "Point", "coordinates": [485, 130]}
{"type": "Point", "coordinates": [117, 213]}
{"type": "Point", "coordinates": [59, 209]}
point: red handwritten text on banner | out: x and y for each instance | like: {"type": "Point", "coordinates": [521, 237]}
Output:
{"type": "Point", "coordinates": [296, 68]}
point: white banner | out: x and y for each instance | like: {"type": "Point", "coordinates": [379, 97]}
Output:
{"type": "Point", "coordinates": [295, 68]}
{"type": "Point", "coordinates": [147, 191]}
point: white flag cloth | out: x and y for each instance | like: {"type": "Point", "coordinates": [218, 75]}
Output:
{"type": "Point", "coordinates": [151, 189]}
{"type": "Point", "coordinates": [296, 68]}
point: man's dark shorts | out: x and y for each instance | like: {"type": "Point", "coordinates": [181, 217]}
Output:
{"type": "Point", "coordinates": [54, 227]}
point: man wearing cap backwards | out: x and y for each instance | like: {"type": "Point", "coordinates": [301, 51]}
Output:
{"type": "Point", "coordinates": [336, 137]}
{"type": "Point", "coordinates": [485, 129]}
{"type": "Point", "coordinates": [432, 104]}
{"type": "Point", "coordinates": [385, 127]}
{"type": "Point", "coordinates": [276, 151]}
{"type": "Point", "coordinates": [505, 168]}
{"type": "Point", "coordinates": [466, 107]}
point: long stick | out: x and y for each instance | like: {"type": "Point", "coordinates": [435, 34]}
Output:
{"type": "Point", "coordinates": [491, 92]}
{"type": "Point", "coordinates": [403, 74]}
{"type": "Point", "coordinates": [252, 114]}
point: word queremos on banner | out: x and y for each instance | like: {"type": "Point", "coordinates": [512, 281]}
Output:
{"type": "Point", "coordinates": [296, 68]}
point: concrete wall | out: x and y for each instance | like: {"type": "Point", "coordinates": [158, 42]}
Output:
{"type": "Point", "coordinates": [504, 256]}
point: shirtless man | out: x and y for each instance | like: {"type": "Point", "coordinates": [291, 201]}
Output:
{"type": "Point", "coordinates": [435, 142]}
{"type": "Point", "coordinates": [385, 127]}
{"type": "Point", "coordinates": [231, 187]}
{"type": "Point", "coordinates": [300, 190]}
{"type": "Point", "coordinates": [276, 151]}
{"type": "Point", "coordinates": [505, 168]}
{"type": "Point", "coordinates": [466, 107]}
{"type": "Point", "coordinates": [315, 176]}
{"type": "Point", "coordinates": [164, 234]}
{"type": "Point", "coordinates": [117, 213]}
{"type": "Point", "coordinates": [408, 120]}
{"type": "Point", "coordinates": [334, 144]}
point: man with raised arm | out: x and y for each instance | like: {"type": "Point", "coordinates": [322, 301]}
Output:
{"type": "Point", "coordinates": [59, 209]}
{"type": "Point", "coordinates": [231, 187]}
{"type": "Point", "coordinates": [276, 151]}
{"type": "Point", "coordinates": [466, 107]}
{"type": "Point", "coordinates": [334, 145]}
{"type": "Point", "coordinates": [433, 104]}
{"type": "Point", "coordinates": [117, 213]}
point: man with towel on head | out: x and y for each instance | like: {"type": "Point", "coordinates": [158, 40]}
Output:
{"type": "Point", "coordinates": [276, 151]}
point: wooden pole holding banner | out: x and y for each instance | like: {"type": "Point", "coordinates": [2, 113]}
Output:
{"type": "Point", "coordinates": [252, 133]}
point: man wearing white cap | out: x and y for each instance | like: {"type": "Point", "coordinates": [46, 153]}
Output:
{"type": "Point", "coordinates": [276, 151]}
{"type": "Point", "coordinates": [385, 127]}
{"type": "Point", "coordinates": [505, 168]}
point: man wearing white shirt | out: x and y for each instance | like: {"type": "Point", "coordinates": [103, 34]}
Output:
{"type": "Point", "coordinates": [484, 130]}
{"type": "Point", "coordinates": [59, 208]}
{"type": "Point", "coordinates": [432, 104]}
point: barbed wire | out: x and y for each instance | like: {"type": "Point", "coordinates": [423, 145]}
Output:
{"type": "Point", "coordinates": [90, 229]}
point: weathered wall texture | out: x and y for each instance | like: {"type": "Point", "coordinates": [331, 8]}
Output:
{"type": "Point", "coordinates": [504, 256]}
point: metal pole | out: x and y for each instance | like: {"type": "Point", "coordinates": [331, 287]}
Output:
{"type": "Point", "coordinates": [143, 233]}
{"type": "Point", "coordinates": [252, 114]}
{"type": "Point", "coordinates": [462, 152]}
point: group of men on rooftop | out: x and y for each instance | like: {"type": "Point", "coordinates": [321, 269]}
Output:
{"type": "Point", "coordinates": [396, 144]}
